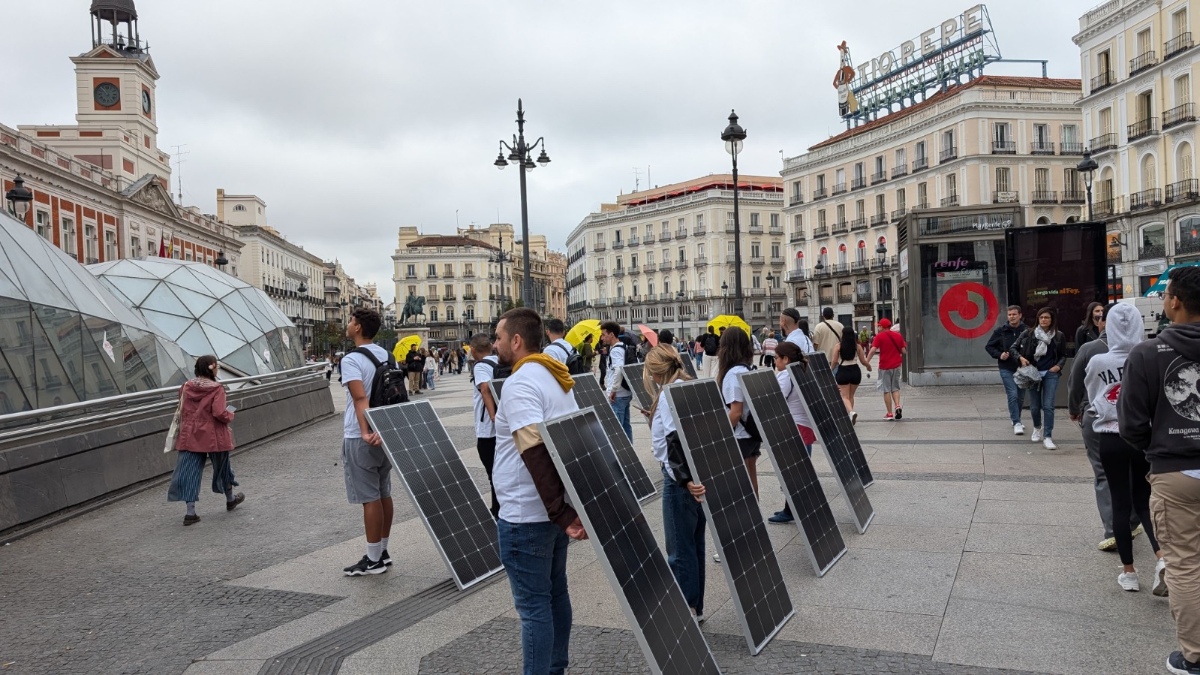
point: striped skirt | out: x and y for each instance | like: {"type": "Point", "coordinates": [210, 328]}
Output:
{"type": "Point", "coordinates": [185, 482]}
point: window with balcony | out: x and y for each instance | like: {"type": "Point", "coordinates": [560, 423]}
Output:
{"type": "Point", "coordinates": [754, 222]}
{"type": "Point", "coordinates": [951, 198]}
{"type": "Point", "coordinates": [1041, 143]}
{"type": "Point", "coordinates": [449, 312]}
{"type": "Point", "coordinates": [949, 149]}
{"type": "Point", "coordinates": [821, 221]}
{"type": "Point", "coordinates": [1105, 121]}
{"type": "Point", "coordinates": [68, 237]}
{"type": "Point", "coordinates": [922, 195]}
{"type": "Point", "coordinates": [860, 178]}
{"type": "Point", "coordinates": [1153, 241]}
{"type": "Point", "coordinates": [665, 228]}
{"type": "Point", "coordinates": [1002, 139]}
{"type": "Point", "coordinates": [774, 221]}
{"type": "Point", "coordinates": [1144, 50]}
{"type": "Point", "coordinates": [1188, 241]}
{"type": "Point", "coordinates": [880, 204]}
{"type": "Point", "coordinates": [1104, 76]}
{"type": "Point", "coordinates": [110, 245]}
{"type": "Point", "coordinates": [431, 273]}
{"type": "Point", "coordinates": [448, 270]}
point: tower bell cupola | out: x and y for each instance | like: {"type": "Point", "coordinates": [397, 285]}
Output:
{"type": "Point", "coordinates": [122, 30]}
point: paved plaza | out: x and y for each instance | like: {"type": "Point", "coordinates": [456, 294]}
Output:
{"type": "Point", "coordinates": [981, 558]}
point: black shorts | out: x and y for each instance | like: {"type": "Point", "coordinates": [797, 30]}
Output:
{"type": "Point", "coordinates": [848, 374]}
{"type": "Point", "coordinates": [749, 447]}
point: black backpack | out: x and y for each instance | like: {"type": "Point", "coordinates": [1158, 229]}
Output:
{"type": "Point", "coordinates": [574, 360]}
{"type": "Point", "coordinates": [389, 384]}
{"type": "Point", "coordinates": [498, 371]}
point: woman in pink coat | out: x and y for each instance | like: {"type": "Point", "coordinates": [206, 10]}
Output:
{"type": "Point", "coordinates": [203, 434]}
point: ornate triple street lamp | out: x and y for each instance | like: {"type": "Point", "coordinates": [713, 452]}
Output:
{"type": "Point", "coordinates": [733, 136]}
{"type": "Point", "coordinates": [521, 154]}
{"type": "Point", "coordinates": [1087, 167]}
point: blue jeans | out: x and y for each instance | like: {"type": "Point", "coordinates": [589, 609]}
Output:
{"type": "Point", "coordinates": [1016, 396]}
{"type": "Point", "coordinates": [1041, 402]}
{"type": "Point", "coordinates": [683, 525]}
{"type": "Point", "coordinates": [535, 557]}
{"type": "Point", "coordinates": [620, 406]}
{"type": "Point", "coordinates": [429, 379]}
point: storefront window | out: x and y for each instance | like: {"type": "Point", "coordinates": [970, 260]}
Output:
{"type": "Point", "coordinates": [962, 289]}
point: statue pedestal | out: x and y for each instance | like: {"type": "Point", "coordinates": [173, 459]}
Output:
{"type": "Point", "coordinates": [413, 329]}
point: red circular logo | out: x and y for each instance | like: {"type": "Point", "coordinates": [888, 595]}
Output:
{"type": "Point", "coordinates": [966, 300]}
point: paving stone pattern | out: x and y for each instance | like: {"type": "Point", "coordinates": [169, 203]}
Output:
{"type": "Point", "coordinates": [495, 647]}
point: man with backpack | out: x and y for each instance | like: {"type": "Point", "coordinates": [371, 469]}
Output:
{"type": "Point", "coordinates": [561, 350]}
{"type": "Point", "coordinates": [365, 465]}
{"type": "Point", "coordinates": [482, 371]}
{"type": "Point", "coordinates": [619, 354]}
{"type": "Point", "coordinates": [710, 341]}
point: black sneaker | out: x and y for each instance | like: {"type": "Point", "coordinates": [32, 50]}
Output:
{"type": "Point", "coordinates": [899, 414]}
{"type": "Point", "coordinates": [365, 566]}
{"type": "Point", "coordinates": [385, 558]}
{"type": "Point", "coordinates": [233, 503]}
{"type": "Point", "coordinates": [1181, 666]}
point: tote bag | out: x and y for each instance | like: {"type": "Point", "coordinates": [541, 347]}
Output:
{"type": "Point", "coordinates": [173, 432]}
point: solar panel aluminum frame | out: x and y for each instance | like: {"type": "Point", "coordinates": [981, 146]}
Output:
{"type": "Point", "coordinates": [615, 438]}
{"type": "Point", "coordinates": [823, 373]}
{"type": "Point", "coordinates": [772, 445]}
{"type": "Point", "coordinates": [462, 586]}
{"type": "Point", "coordinates": [641, 398]}
{"type": "Point", "coordinates": [846, 483]}
{"type": "Point", "coordinates": [597, 545]}
{"type": "Point", "coordinates": [672, 390]}
{"type": "Point", "coordinates": [689, 364]}
{"type": "Point", "coordinates": [495, 386]}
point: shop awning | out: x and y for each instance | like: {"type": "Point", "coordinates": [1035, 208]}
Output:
{"type": "Point", "coordinates": [1161, 285]}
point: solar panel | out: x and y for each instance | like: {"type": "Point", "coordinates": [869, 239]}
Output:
{"type": "Point", "coordinates": [735, 521]}
{"type": "Point", "coordinates": [689, 364]}
{"type": "Point", "coordinates": [829, 388]}
{"type": "Point", "coordinates": [495, 386]}
{"type": "Point", "coordinates": [823, 409]}
{"type": "Point", "coordinates": [589, 394]}
{"type": "Point", "coordinates": [446, 496]}
{"type": "Point", "coordinates": [795, 469]}
{"type": "Point", "coordinates": [654, 605]}
{"type": "Point", "coordinates": [633, 375]}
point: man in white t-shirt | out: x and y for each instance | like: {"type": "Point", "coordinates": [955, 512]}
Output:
{"type": "Point", "coordinates": [535, 518]}
{"type": "Point", "coordinates": [559, 348]}
{"type": "Point", "coordinates": [789, 323]}
{"type": "Point", "coordinates": [365, 465]}
{"type": "Point", "coordinates": [482, 372]}
{"type": "Point", "coordinates": [827, 336]}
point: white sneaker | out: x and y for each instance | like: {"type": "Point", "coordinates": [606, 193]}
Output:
{"type": "Point", "coordinates": [1049, 444]}
{"type": "Point", "coordinates": [1129, 581]}
{"type": "Point", "coordinates": [1018, 429]}
{"type": "Point", "coordinates": [1037, 434]}
{"type": "Point", "coordinates": [1160, 579]}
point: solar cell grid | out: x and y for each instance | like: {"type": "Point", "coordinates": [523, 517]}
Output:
{"type": "Point", "coordinates": [588, 393]}
{"type": "Point", "coordinates": [442, 489]}
{"type": "Point", "coordinates": [669, 637]}
{"type": "Point", "coordinates": [633, 375]}
{"type": "Point", "coordinates": [735, 521]}
{"type": "Point", "coordinates": [795, 469]}
{"type": "Point", "coordinates": [823, 409]}
{"type": "Point", "coordinates": [829, 388]}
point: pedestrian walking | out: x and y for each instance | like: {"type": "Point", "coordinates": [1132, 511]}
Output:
{"type": "Point", "coordinates": [619, 394]}
{"type": "Point", "coordinates": [683, 516]}
{"type": "Point", "coordinates": [1080, 410]}
{"type": "Point", "coordinates": [329, 371]}
{"type": "Point", "coordinates": [1160, 416]}
{"type": "Point", "coordinates": [736, 356]}
{"type": "Point", "coordinates": [1126, 465]}
{"type": "Point", "coordinates": [789, 325]}
{"type": "Point", "coordinates": [1045, 347]}
{"type": "Point", "coordinates": [846, 370]}
{"type": "Point", "coordinates": [415, 366]}
{"type": "Point", "coordinates": [431, 370]}
{"type": "Point", "coordinates": [535, 518]}
{"type": "Point", "coordinates": [827, 336]}
{"type": "Point", "coordinates": [365, 467]}
{"type": "Point", "coordinates": [204, 435]}
{"type": "Point", "coordinates": [558, 348]}
{"type": "Point", "coordinates": [892, 349]}
{"type": "Point", "coordinates": [1091, 327]}
{"type": "Point", "coordinates": [482, 372]}
{"type": "Point", "coordinates": [785, 355]}
{"type": "Point", "coordinates": [768, 346]}
{"type": "Point", "coordinates": [587, 352]}
{"type": "Point", "coordinates": [710, 342]}
{"type": "Point", "coordinates": [1000, 347]}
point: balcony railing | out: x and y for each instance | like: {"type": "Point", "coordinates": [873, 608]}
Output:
{"type": "Point", "coordinates": [898, 214]}
{"type": "Point", "coordinates": [648, 239]}
{"type": "Point", "coordinates": [840, 268]}
{"type": "Point", "coordinates": [1178, 44]}
{"type": "Point", "coordinates": [921, 206]}
{"type": "Point", "coordinates": [1045, 197]}
{"type": "Point", "coordinates": [879, 219]}
{"type": "Point", "coordinates": [664, 266]}
{"type": "Point", "coordinates": [634, 241]}
{"type": "Point", "coordinates": [1143, 128]}
{"type": "Point", "coordinates": [858, 224]}
{"type": "Point", "coordinates": [450, 297]}
{"type": "Point", "coordinates": [665, 236]}
{"type": "Point", "coordinates": [619, 272]}
{"type": "Point", "coordinates": [775, 228]}
{"type": "Point", "coordinates": [1105, 79]}
{"type": "Point", "coordinates": [845, 298]}
{"type": "Point", "coordinates": [1146, 199]}
{"type": "Point", "coordinates": [797, 275]}
{"type": "Point", "coordinates": [1103, 142]}
{"type": "Point", "coordinates": [920, 164]}
{"type": "Point", "coordinates": [730, 258]}
{"type": "Point", "coordinates": [1152, 251]}
{"type": "Point", "coordinates": [952, 200]}
{"type": "Point", "coordinates": [1104, 207]}
{"type": "Point", "coordinates": [796, 199]}
{"type": "Point", "coordinates": [839, 188]}
{"type": "Point", "coordinates": [1004, 147]}
{"type": "Point", "coordinates": [883, 263]}
{"type": "Point", "coordinates": [599, 248]}
{"type": "Point", "coordinates": [1183, 190]}
{"type": "Point", "coordinates": [756, 228]}
{"type": "Point", "coordinates": [758, 260]}
{"type": "Point", "coordinates": [699, 231]}
{"type": "Point", "coordinates": [820, 193]}
{"type": "Point", "coordinates": [798, 235]}
{"type": "Point", "coordinates": [618, 245]}
{"type": "Point", "coordinates": [1070, 148]}
{"type": "Point", "coordinates": [1074, 197]}
{"type": "Point", "coordinates": [1179, 115]}
{"type": "Point", "coordinates": [601, 274]}
{"type": "Point", "coordinates": [1137, 65]}
{"type": "Point", "coordinates": [864, 297]}
{"type": "Point", "coordinates": [858, 266]}
{"type": "Point", "coordinates": [1006, 197]}
{"type": "Point", "coordinates": [470, 296]}
{"type": "Point", "coordinates": [898, 171]}
{"type": "Point", "coordinates": [949, 154]}
{"type": "Point", "coordinates": [820, 231]}
{"type": "Point", "coordinates": [681, 264]}
{"type": "Point", "coordinates": [841, 227]}
{"type": "Point", "coordinates": [1041, 148]}
{"type": "Point", "coordinates": [681, 233]}
{"type": "Point", "coordinates": [858, 183]}
{"type": "Point", "coordinates": [776, 260]}
{"type": "Point", "coordinates": [700, 261]}
{"type": "Point", "coordinates": [1187, 246]}
{"type": "Point", "coordinates": [878, 177]}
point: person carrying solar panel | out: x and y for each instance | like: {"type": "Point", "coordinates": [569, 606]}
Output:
{"type": "Point", "coordinates": [787, 353]}
{"type": "Point", "coordinates": [535, 520]}
{"type": "Point", "coordinates": [683, 516]}
{"type": "Point", "coordinates": [735, 356]}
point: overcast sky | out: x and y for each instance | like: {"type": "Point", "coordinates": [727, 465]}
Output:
{"type": "Point", "coordinates": [353, 118]}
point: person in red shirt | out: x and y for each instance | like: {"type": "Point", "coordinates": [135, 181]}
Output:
{"type": "Point", "coordinates": [203, 435]}
{"type": "Point", "coordinates": [892, 349]}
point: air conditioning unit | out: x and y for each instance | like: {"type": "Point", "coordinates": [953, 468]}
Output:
{"type": "Point", "coordinates": [1006, 197]}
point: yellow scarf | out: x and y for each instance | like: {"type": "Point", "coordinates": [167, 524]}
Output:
{"type": "Point", "coordinates": [556, 368]}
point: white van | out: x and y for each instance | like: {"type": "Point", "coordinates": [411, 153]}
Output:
{"type": "Point", "coordinates": [1151, 310]}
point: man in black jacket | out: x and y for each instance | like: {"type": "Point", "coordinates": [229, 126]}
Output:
{"type": "Point", "coordinates": [1160, 414]}
{"type": "Point", "coordinates": [999, 346]}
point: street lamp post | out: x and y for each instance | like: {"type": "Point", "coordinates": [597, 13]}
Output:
{"type": "Point", "coordinates": [1087, 167]}
{"type": "Point", "coordinates": [725, 297]}
{"type": "Point", "coordinates": [502, 257]}
{"type": "Point", "coordinates": [733, 136]}
{"type": "Point", "coordinates": [679, 296]}
{"type": "Point", "coordinates": [19, 198]}
{"type": "Point", "coordinates": [770, 293]}
{"type": "Point", "coordinates": [520, 153]}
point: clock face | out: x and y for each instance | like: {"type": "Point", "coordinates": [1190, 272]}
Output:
{"type": "Point", "coordinates": [107, 94]}
{"type": "Point", "coordinates": [146, 102]}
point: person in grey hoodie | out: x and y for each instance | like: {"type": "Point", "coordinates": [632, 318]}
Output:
{"type": "Point", "coordinates": [1125, 464]}
{"type": "Point", "coordinates": [1160, 415]}
{"type": "Point", "coordinates": [1081, 412]}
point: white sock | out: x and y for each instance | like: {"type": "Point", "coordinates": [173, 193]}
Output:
{"type": "Point", "coordinates": [374, 551]}
{"type": "Point", "coordinates": [383, 544]}
{"type": "Point", "coordinates": [191, 508]}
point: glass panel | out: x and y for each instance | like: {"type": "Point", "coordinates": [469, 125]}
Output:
{"type": "Point", "coordinates": [135, 289]}
{"type": "Point", "coordinates": [223, 343]}
{"type": "Point", "coordinates": [8, 289]}
{"type": "Point", "coordinates": [257, 313]}
{"type": "Point", "coordinates": [54, 384]}
{"type": "Point", "coordinates": [141, 363]}
{"type": "Point", "coordinates": [237, 306]}
{"type": "Point", "coordinates": [196, 303]}
{"type": "Point", "coordinates": [248, 330]}
{"type": "Point", "coordinates": [968, 272]}
{"type": "Point", "coordinates": [16, 356]}
{"type": "Point", "coordinates": [169, 324]}
{"type": "Point", "coordinates": [195, 342]}
{"type": "Point", "coordinates": [184, 277]}
{"type": "Point", "coordinates": [39, 288]}
{"type": "Point", "coordinates": [163, 300]}
{"type": "Point", "coordinates": [150, 268]}
{"type": "Point", "coordinates": [174, 366]}
{"type": "Point", "coordinates": [101, 374]}
{"type": "Point", "coordinates": [242, 360]}
{"type": "Point", "coordinates": [219, 317]}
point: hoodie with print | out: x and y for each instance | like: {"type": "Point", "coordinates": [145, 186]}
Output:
{"type": "Point", "coordinates": [1160, 399]}
{"type": "Point", "coordinates": [1102, 375]}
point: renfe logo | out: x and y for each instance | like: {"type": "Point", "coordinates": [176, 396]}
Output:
{"type": "Point", "coordinates": [956, 264]}
{"type": "Point", "coordinates": [964, 302]}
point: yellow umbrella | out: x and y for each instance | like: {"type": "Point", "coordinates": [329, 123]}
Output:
{"type": "Point", "coordinates": [727, 320]}
{"type": "Point", "coordinates": [401, 349]}
{"type": "Point", "coordinates": [583, 329]}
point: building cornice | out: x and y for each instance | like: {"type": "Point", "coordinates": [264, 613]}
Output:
{"type": "Point", "coordinates": [1107, 15]}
